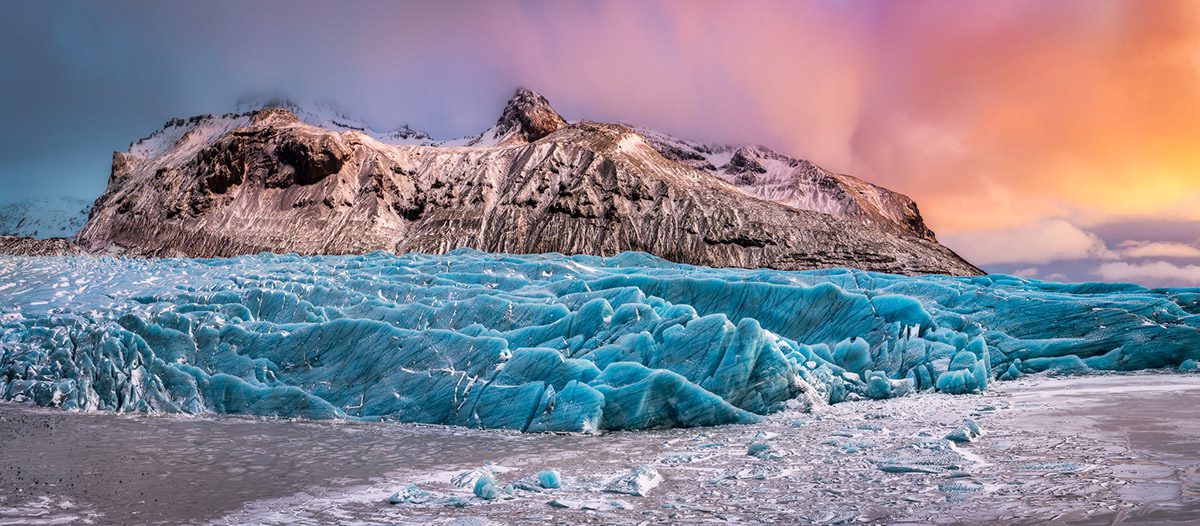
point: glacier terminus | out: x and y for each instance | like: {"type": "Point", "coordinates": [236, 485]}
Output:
{"type": "Point", "coordinates": [546, 343]}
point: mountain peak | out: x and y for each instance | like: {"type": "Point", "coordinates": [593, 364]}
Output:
{"type": "Point", "coordinates": [528, 116]}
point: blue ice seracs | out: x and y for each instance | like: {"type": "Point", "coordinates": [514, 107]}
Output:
{"type": "Point", "coordinates": [545, 343]}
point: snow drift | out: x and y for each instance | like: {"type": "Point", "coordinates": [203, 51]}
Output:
{"type": "Point", "coordinates": [544, 342]}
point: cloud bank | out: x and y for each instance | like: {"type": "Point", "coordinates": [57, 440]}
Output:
{"type": "Point", "coordinates": [1158, 249]}
{"type": "Point", "coordinates": [1058, 250]}
{"type": "Point", "coordinates": [1152, 271]}
{"type": "Point", "coordinates": [1041, 242]}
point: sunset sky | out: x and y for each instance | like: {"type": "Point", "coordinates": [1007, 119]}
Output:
{"type": "Point", "coordinates": [1058, 140]}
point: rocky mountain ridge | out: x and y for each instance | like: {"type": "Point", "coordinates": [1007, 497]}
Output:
{"type": "Point", "coordinates": [266, 180]}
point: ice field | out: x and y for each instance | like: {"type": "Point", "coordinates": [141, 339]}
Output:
{"type": "Point", "coordinates": [546, 342]}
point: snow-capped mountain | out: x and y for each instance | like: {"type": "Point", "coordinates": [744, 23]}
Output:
{"type": "Point", "coordinates": [798, 183]}
{"type": "Point", "coordinates": [271, 180]}
{"type": "Point", "coordinates": [44, 218]}
{"type": "Point", "coordinates": [754, 169]}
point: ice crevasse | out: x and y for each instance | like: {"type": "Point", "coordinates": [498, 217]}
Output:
{"type": "Point", "coordinates": [545, 342]}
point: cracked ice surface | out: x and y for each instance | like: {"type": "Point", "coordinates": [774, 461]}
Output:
{"type": "Point", "coordinates": [545, 342]}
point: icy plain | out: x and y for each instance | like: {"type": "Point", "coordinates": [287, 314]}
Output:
{"type": "Point", "coordinates": [546, 342]}
{"type": "Point", "coordinates": [1100, 449]}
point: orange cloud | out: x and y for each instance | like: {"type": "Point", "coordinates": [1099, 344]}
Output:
{"type": "Point", "coordinates": [990, 114]}
{"type": "Point", "coordinates": [1088, 109]}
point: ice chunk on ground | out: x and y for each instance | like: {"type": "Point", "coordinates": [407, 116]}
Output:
{"type": "Point", "coordinates": [546, 343]}
{"type": "Point", "coordinates": [549, 479]}
{"type": "Point", "coordinates": [879, 386]}
{"type": "Point", "coordinates": [410, 494]}
{"type": "Point", "coordinates": [638, 482]}
{"type": "Point", "coordinates": [485, 488]}
{"type": "Point", "coordinates": [453, 502]}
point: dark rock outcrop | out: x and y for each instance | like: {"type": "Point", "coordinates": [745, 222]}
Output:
{"type": "Point", "coordinates": [528, 117]}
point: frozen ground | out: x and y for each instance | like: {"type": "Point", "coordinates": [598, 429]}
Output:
{"type": "Point", "coordinates": [1105, 449]}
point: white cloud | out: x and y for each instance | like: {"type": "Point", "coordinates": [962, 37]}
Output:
{"type": "Point", "coordinates": [1031, 272]}
{"type": "Point", "coordinates": [1036, 243]}
{"type": "Point", "coordinates": [1035, 273]}
{"type": "Point", "coordinates": [1151, 271]}
{"type": "Point", "coordinates": [1157, 249]}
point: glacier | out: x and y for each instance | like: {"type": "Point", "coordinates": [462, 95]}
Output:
{"type": "Point", "coordinates": [545, 343]}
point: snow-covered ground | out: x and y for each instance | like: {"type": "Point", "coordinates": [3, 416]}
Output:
{"type": "Point", "coordinates": [1106, 449]}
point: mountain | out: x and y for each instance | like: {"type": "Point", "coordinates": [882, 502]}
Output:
{"type": "Point", "coordinates": [44, 218]}
{"type": "Point", "coordinates": [798, 183]}
{"type": "Point", "coordinates": [266, 180]}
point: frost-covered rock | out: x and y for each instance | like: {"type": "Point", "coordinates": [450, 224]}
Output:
{"type": "Point", "coordinates": [544, 343]}
{"type": "Point", "coordinates": [467, 479]}
{"type": "Point", "coordinates": [758, 449]}
{"type": "Point", "coordinates": [593, 505]}
{"type": "Point", "coordinates": [930, 456]}
{"type": "Point", "coordinates": [638, 482]}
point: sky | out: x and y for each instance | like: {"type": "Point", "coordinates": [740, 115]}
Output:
{"type": "Point", "coordinates": [1056, 140]}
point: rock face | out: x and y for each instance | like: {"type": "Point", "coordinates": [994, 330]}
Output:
{"type": "Point", "coordinates": [267, 181]}
{"type": "Point", "coordinates": [527, 117]}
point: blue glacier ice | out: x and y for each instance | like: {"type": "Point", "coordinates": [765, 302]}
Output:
{"type": "Point", "coordinates": [485, 488]}
{"type": "Point", "coordinates": [549, 479]}
{"type": "Point", "coordinates": [545, 343]}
